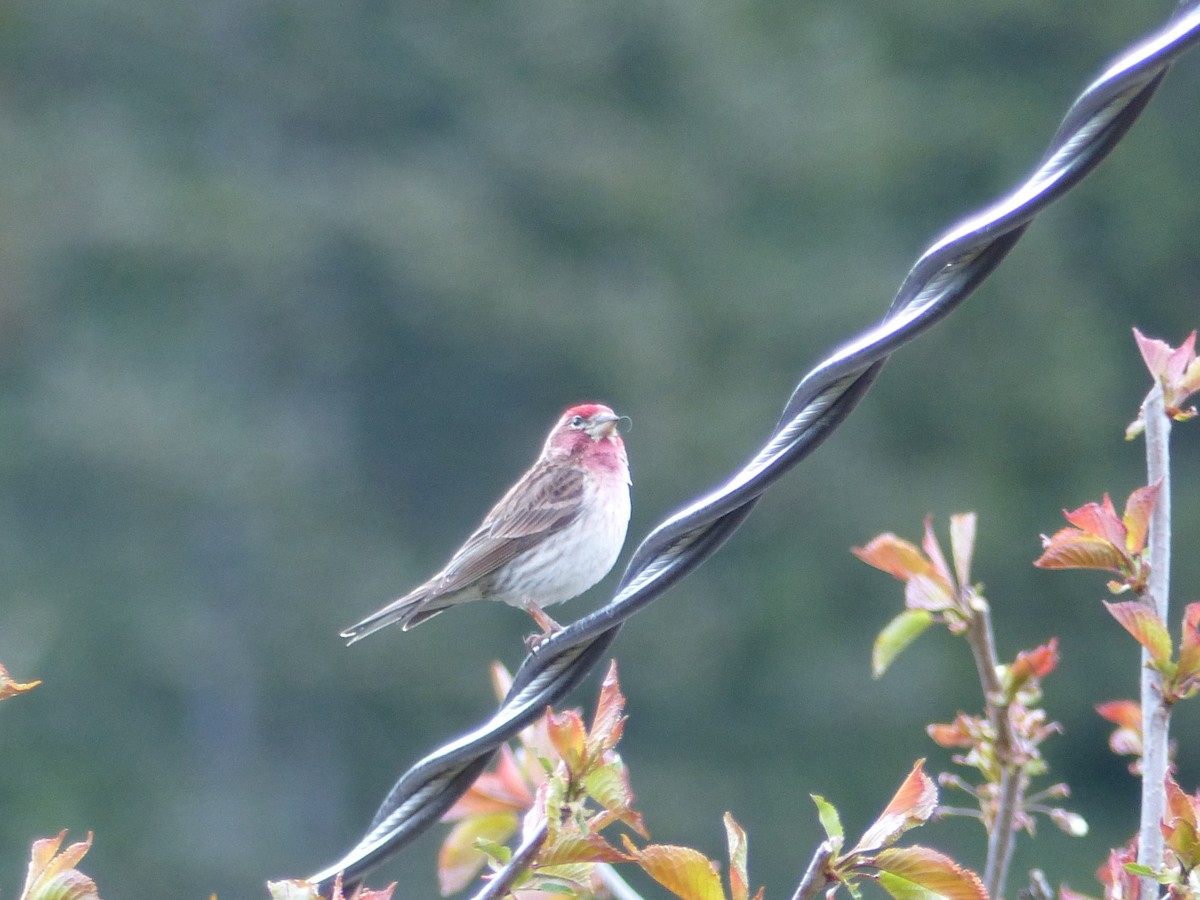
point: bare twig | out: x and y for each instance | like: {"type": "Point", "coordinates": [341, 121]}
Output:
{"type": "Point", "coordinates": [815, 879]}
{"type": "Point", "coordinates": [1156, 712]}
{"type": "Point", "coordinates": [617, 886]}
{"type": "Point", "coordinates": [982, 640]}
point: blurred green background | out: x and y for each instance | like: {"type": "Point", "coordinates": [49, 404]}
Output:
{"type": "Point", "coordinates": [291, 291]}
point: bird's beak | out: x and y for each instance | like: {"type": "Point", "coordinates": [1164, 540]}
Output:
{"type": "Point", "coordinates": [603, 425]}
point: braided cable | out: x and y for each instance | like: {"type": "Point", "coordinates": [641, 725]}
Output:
{"type": "Point", "coordinates": [950, 270]}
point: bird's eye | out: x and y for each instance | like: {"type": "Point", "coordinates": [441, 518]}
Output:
{"type": "Point", "coordinates": [576, 421]}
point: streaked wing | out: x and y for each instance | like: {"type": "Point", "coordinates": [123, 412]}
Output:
{"type": "Point", "coordinates": [547, 499]}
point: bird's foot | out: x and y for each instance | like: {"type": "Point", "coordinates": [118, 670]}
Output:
{"type": "Point", "coordinates": [548, 625]}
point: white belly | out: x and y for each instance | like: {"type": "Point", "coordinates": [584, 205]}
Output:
{"type": "Point", "coordinates": [582, 554]}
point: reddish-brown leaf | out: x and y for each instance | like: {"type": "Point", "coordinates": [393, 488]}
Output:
{"type": "Point", "coordinates": [1036, 663]}
{"type": "Point", "coordinates": [1189, 647]}
{"type": "Point", "coordinates": [1142, 621]}
{"type": "Point", "coordinates": [570, 847]}
{"type": "Point", "coordinates": [912, 805]}
{"type": "Point", "coordinates": [910, 873]}
{"type": "Point", "coordinates": [1099, 520]}
{"type": "Point", "coordinates": [893, 555]}
{"type": "Point", "coordinates": [609, 720]}
{"type": "Point", "coordinates": [1072, 549]}
{"type": "Point", "coordinates": [505, 790]}
{"type": "Point", "coordinates": [568, 736]}
{"type": "Point", "coordinates": [1126, 713]}
{"type": "Point", "coordinates": [1180, 826]}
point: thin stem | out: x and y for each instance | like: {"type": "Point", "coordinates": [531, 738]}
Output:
{"type": "Point", "coordinates": [815, 879]}
{"type": "Point", "coordinates": [1001, 836]}
{"type": "Point", "coordinates": [617, 886]}
{"type": "Point", "coordinates": [1155, 710]}
{"type": "Point", "coordinates": [525, 854]}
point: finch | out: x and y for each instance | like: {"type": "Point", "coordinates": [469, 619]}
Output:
{"type": "Point", "coordinates": [555, 533]}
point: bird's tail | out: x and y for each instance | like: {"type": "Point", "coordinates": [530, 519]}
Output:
{"type": "Point", "coordinates": [410, 611]}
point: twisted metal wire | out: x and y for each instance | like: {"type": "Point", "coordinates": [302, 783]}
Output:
{"type": "Point", "coordinates": [942, 277]}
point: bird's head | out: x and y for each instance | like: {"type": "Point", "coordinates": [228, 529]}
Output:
{"type": "Point", "coordinates": [581, 428]}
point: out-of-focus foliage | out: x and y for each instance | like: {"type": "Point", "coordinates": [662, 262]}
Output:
{"type": "Point", "coordinates": [289, 291]}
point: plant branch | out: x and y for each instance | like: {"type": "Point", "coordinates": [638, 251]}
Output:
{"type": "Point", "coordinates": [617, 886]}
{"type": "Point", "coordinates": [815, 879]}
{"type": "Point", "coordinates": [1156, 711]}
{"type": "Point", "coordinates": [521, 859]}
{"type": "Point", "coordinates": [980, 636]}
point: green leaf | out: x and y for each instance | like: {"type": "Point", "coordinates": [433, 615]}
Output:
{"type": "Point", "coordinates": [896, 635]}
{"type": "Point", "coordinates": [830, 820]}
{"type": "Point", "coordinates": [918, 873]}
{"type": "Point", "coordinates": [1140, 870]}
{"type": "Point", "coordinates": [462, 854]}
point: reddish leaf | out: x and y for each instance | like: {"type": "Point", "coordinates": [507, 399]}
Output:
{"type": "Point", "coordinates": [893, 555]}
{"type": "Point", "coordinates": [1036, 663]}
{"type": "Point", "coordinates": [566, 848]}
{"type": "Point", "coordinates": [912, 805]}
{"type": "Point", "coordinates": [1126, 713]}
{"type": "Point", "coordinates": [951, 735]}
{"type": "Point", "coordinates": [1138, 509]}
{"type": "Point", "coordinates": [1099, 520]}
{"type": "Point", "coordinates": [1065, 893]}
{"type": "Point", "coordinates": [1071, 549]}
{"type": "Point", "coordinates": [568, 737]}
{"type": "Point", "coordinates": [1142, 621]}
{"type": "Point", "coordinates": [10, 688]}
{"type": "Point", "coordinates": [929, 543]}
{"type": "Point", "coordinates": [962, 546]}
{"type": "Point", "coordinates": [685, 872]}
{"type": "Point", "coordinates": [460, 859]}
{"type": "Point", "coordinates": [609, 721]}
{"type": "Point", "coordinates": [1155, 353]}
{"type": "Point", "coordinates": [918, 873]}
{"type": "Point", "coordinates": [52, 875]}
{"type": "Point", "coordinates": [505, 790]}
{"type": "Point", "coordinates": [896, 635]}
{"type": "Point", "coordinates": [1180, 827]}
{"type": "Point", "coordinates": [1113, 875]}
{"type": "Point", "coordinates": [1189, 648]}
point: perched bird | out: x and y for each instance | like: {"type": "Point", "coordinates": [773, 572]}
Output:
{"type": "Point", "coordinates": [555, 533]}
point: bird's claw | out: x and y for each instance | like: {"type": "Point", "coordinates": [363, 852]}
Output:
{"type": "Point", "coordinates": [548, 625]}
